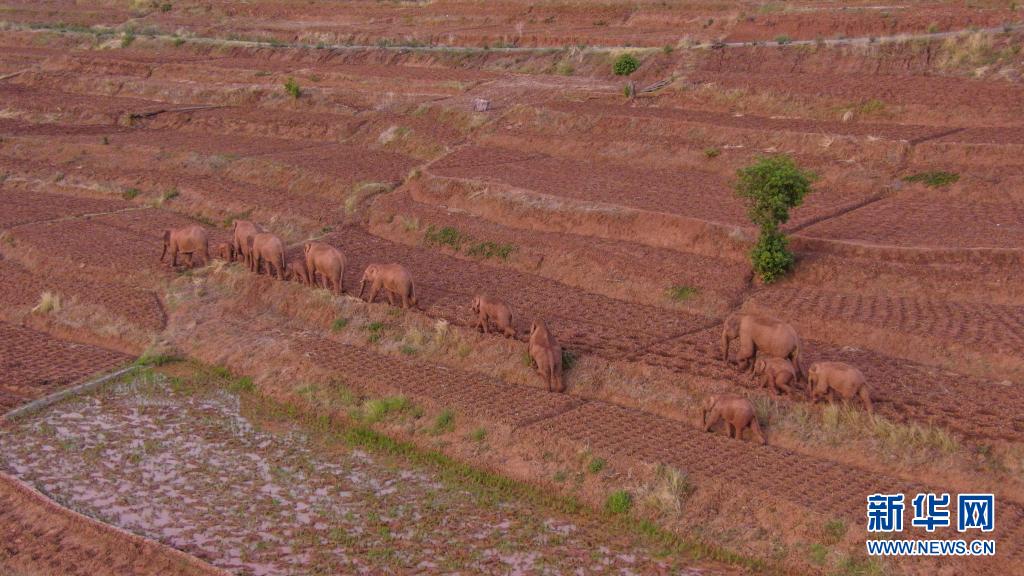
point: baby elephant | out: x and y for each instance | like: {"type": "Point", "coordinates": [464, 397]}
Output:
{"type": "Point", "coordinates": [494, 310]}
{"type": "Point", "coordinates": [394, 279]}
{"type": "Point", "coordinates": [547, 354]}
{"type": "Point", "coordinates": [737, 412]}
{"type": "Point", "coordinates": [831, 378]}
{"type": "Point", "coordinates": [225, 251]}
{"type": "Point", "coordinates": [191, 240]}
{"type": "Point", "coordinates": [296, 270]}
{"type": "Point", "coordinates": [775, 374]}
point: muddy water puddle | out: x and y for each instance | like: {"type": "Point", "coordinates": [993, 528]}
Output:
{"type": "Point", "coordinates": [190, 470]}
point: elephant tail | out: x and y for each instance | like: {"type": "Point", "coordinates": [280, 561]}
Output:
{"type": "Point", "coordinates": [412, 293]}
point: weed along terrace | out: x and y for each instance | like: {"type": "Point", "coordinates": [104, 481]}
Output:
{"type": "Point", "coordinates": [510, 288]}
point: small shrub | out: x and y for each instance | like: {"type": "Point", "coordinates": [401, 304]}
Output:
{"type": "Point", "coordinates": [625, 65]}
{"type": "Point", "coordinates": [166, 7]}
{"type": "Point", "coordinates": [596, 465]}
{"type": "Point", "coordinates": [131, 193]}
{"type": "Point", "coordinates": [487, 250]}
{"type": "Point", "coordinates": [127, 39]}
{"type": "Point", "coordinates": [933, 28]}
{"type": "Point", "coordinates": [817, 554]}
{"type": "Point", "coordinates": [712, 152]}
{"type": "Point", "coordinates": [479, 435]}
{"type": "Point", "coordinates": [243, 385]}
{"type": "Point", "coordinates": [292, 88]}
{"type": "Point", "coordinates": [834, 531]}
{"type": "Point", "coordinates": [375, 329]}
{"type": "Point", "coordinates": [681, 293]}
{"type": "Point", "coordinates": [156, 359]}
{"type": "Point", "coordinates": [169, 195]}
{"type": "Point", "coordinates": [783, 39]}
{"type": "Point", "coordinates": [339, 324]}
{"type": "Point", "coordinates": [375, 410]}
{"type": "Point", "coordinates": [446, 236]}
{"type": "Point", "coordinates": [48, 302]}
{"type": "Point", "coordinates": [568, 359]}
{"type": "Point", "coordinates": [933, 179]}
{"type": "Point", "coordinates": [618, 502]}
{"type": "Point", "coordinates": [445, 422]}
{"type": "Point", "coordinates": [407, 349]}
{"type": "Point", "coordinates": [770, 257]}
{"type": "Point", "coordinates": [178, 42]}
{"type": "Point", "coordinates": [668, 48]}
{"type": "Point", "coordinates": [564, 69]}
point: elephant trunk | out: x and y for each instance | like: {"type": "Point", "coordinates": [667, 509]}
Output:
{"type": "Point", "coordinates": [725, 347]}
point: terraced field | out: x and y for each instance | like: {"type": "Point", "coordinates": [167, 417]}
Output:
{"type": "Point", "coordinates": [612, 218]}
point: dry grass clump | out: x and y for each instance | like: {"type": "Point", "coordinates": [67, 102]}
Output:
{"type": "Point", "coordinates": [48, 302]}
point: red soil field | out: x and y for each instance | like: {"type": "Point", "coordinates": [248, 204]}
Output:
{"type": "Point", "coordinates": [33, 364]}
{"type": "Point", "coordinates": [40, 537]}
{"type": "Point", "coordinates": [916, 286]}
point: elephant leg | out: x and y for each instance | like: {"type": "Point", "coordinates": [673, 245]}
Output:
{"type": "Point", "coordinates": [391, 297]}
{"type": "Point", "coordinates": [405, 300]}
{"type": "Point", "coordinates": [174, 257]}
{"type": "Point", "coordinates": [713, 418]}
{"type": "Point", "coordinates": [373, 291]}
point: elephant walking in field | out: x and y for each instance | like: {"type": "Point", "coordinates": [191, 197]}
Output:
{"type": "Point", "coordinates": [394, 279]}
{"type": "Point", "coordinates": [737, 412]}
{"type": "Point", "coordinates": [547, 354]}
{"type": "Point", "coordinates": [832, 378]}
{"type": "Point", "coordinates": [191, 240]}
{"type": "Point", "coordinates": [764, 334]}
{"type": "Point", "coordinates": [266, 248]}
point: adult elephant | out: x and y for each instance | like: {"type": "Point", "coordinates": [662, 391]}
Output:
{"type": "Point", "coordinates": [765, 334]}
{"type": "Point", "coordinates": [189, 240]}
{"type": "Point", "coordinates": [329, 262]}
{"type": "Point", "coordinates": [241, 232]}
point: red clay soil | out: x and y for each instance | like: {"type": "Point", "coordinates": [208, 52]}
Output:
{"type": "Point", "coordinates": [33, 364]}
{"type": "Point", "coordinates": [906, 132]}
{"type": "Point", "coordinates": [929, 222]}
{"type": "Point", "coordinates": [21, 206]}
{"type": "Point", "coordinates": [938, 92]}
{"type": "Point", "coordinates": [705, 196]}
{"type": "Point", "coordinates": [834, 490]}
{"type": "Point", "coordinates": [466, 392]}
{"type": "Point", "coordinates": [40, 538]}
{"type": "Point", "coordinates": [840, 21]}
{"type": "Point", "coordinates": [627, 263]}
{"type": "Point", "coordinates": [21, 289]}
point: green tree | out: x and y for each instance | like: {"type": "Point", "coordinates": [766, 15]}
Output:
{"type": "Point", "coordinates": [770, 187]}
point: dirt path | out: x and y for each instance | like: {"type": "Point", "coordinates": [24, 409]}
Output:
{"type": "Point", "coordinates": [279, 502]}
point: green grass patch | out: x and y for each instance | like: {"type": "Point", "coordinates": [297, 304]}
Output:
{"type": "Point", "coordinates": [712, 152]}
{"type": "Point", "coordinates": [933, 179]}
{"type": "Point", "coordinates": [459, 241]}
{"type": "Point", "coordinates": [618, 502]}
{"type": "Point", "coordinates": [131, 193]}
{"type": "Point", "coordinates": [375, 410]}
{"type": "Point", "coordinates": [681, 293]}
{"type": "Point", "coordinates": [444, 422]}
{"type": "Point", "coordinates": [596, 465]}
{"type": "Point", "coordinates": [479, 435]}
{"type": "Point", "coordinates": [339, 324]}
{"type": "Point", "coordinates": [447, 236]}
{"type": "Point", "coordinates": [834, 531]}
{"type": "Point", "coordinates": [292, 88]}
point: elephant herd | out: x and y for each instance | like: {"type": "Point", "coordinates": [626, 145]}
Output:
{"type": "Point", "coordinates": [323, 266]}
{"type": "Point", "coordinates": [778, 368]}
{"type": "Point", "coordinates": [769, 348]}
